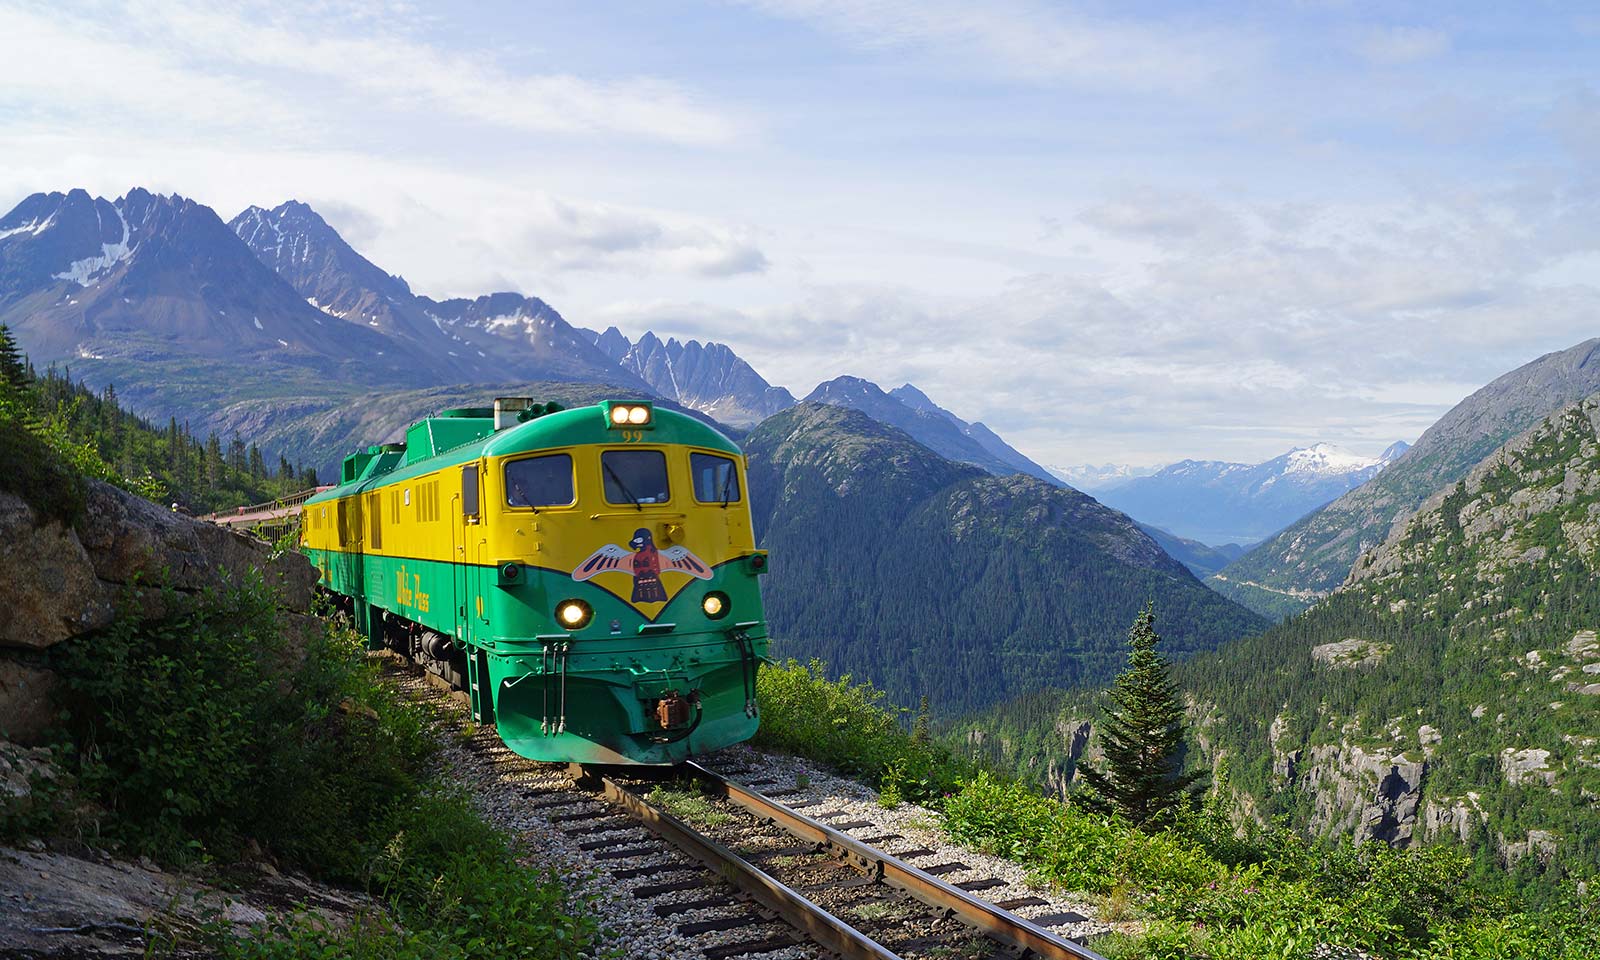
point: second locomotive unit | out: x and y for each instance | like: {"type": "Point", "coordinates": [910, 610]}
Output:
{"type": "Point", "coordinates": [588, 576]}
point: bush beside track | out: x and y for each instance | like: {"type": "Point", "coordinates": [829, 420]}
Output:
{"type": "Point", "coordinates": [1200, 888]}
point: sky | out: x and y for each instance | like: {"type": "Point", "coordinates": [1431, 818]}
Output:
{"type": "Point", "coordinates": [1127, 232]}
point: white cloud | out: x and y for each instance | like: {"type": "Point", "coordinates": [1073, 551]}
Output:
{"type": "Point", "coordinates": [277, 66]}
{"type": "Point", "coordinates": [1355, 324]}
{"type": "Point", "coordinates": [1036, 41]}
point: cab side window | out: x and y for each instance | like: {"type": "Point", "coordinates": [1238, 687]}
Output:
{"type": "Point", "coordinates": [540, 481]}
{"type": "Point", "coordinates": [716, 479]}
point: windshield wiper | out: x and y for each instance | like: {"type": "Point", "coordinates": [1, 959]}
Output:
{"type": "Point", "coordinates": [727, 484]}
{"type": "Point", "coordinates": [623, 487]}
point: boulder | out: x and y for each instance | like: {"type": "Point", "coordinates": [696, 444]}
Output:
{"type": "Point", "coordinates": [51, 592]}
{"type": "Point", "coordinates": [129, 539]}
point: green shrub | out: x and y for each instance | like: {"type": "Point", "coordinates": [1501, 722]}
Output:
{"type": "Point", "coordinates": [205, 728]}
{"type": "Point", "coordinates": [851, 728]}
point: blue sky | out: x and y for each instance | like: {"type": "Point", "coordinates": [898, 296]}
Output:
{"type": "Point", "coordinates": [1133, 232]}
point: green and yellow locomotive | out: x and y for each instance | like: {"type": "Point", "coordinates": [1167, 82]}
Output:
{"type": "Point", "coordinates": [588, 576]}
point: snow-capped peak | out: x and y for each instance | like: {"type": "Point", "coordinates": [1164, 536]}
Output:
{"type": "Point", "coordinates": [1325, 458]}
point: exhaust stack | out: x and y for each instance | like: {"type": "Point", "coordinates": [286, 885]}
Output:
{"type": "Point", "coordinates": [508, 411]}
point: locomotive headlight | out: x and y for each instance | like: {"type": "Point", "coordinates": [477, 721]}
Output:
{"type": "Point", "coordinates": [619, 414]}
{"type": "Point", "coordinates": [716, 605]}
{"type": "Point", "coordinates": [574, 614]}
{"type": "Point", "coordinates": [638, 415]}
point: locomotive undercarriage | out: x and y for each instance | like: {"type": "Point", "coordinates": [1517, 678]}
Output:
{"type": "Point", "coordinates": [432, 651]}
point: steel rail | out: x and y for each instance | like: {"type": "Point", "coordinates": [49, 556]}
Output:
{"type": "Point", "coordinates": [1002, 925]}
{"type": "Point", "coordinates": [822, 926]}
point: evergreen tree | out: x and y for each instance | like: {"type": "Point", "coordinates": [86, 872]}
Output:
{"type": "Point", "coordinates": [13, 366]}
{"type": "Point", "coordinates": [1143, 737]}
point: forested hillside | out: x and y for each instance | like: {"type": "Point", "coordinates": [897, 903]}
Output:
{"type": "Point", "coordinates": [935, 578]}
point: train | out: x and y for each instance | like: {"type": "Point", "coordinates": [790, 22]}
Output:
{"type": "Point", "coordinates": [587, 576]}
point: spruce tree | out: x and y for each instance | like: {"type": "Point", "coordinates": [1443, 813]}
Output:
{"type": "Point", "coordinates": [13, 366]}
{"type": "Point", "coordinates": [1143, 738]}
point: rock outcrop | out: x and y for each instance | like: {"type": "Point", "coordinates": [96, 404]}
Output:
{"type": "Point", "coordinates": [66, 581]}
{"type": "Point", "coordinates": [1368, 795]}
{"type": "Point", "coordinates": [61, 906]}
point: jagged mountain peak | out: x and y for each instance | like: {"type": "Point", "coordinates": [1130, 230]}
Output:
{"type": "Point", "coordinates": [155, 276]}
{"type": "Point", "coordinates": [708, 377]}
{"type": "Point", "coordinates": [913, 411]}
{"type": "Point", "coordinates": [1393, 452]}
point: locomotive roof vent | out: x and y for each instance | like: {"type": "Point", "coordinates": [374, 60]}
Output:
{"type": "Point", "coordinates": [508, 411]}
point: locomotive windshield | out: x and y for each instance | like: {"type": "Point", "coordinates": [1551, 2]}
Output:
{"type": "Point", "coordinates": [635, 477]}
{"type": "Point", "coordinates": [715, 479]}
{"type": "Point", "coordinates": [539, 481]}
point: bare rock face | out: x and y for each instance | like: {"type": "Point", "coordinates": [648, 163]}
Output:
{"type": "Point", "coordinates": [1529, 765]}
{"type": "Point", "coordinates": [51, 589]}
{"type": "Point", "coordinates": [1455, 815]}
{"type": "Point", "coordinates": [59, 906]}
{"type": "Point", "coordinates": [1371, 796]}
{"type": "Point", "coordinates": [63, 582]}
{"type": "Point", "coordinates": [1353, 652]}
{"type": "Point", "coordinates": [1539, 844]}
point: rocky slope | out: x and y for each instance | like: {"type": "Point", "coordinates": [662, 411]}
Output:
{"type": "Point", "coordinates": [1314, 555]}
{"type": "Point", "coordinates": [1218, 502]}
{"type": "Point", "coordinates": [934, 577]}
{"type": "Point", "coordinates": [907, 408]}
{"type": "Point", "coordinates": [707, 377]}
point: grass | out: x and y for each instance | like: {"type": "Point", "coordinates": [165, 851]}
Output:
{"type": "Point", "coordinates": [850, 727]}
{"type": "Point", "coordinates": [690, 805]}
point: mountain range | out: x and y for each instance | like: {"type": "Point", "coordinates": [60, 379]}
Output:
{"type": "Point", "coordinates": [1093, 477]}
{"type": "Point", "coordinates": [1217, 502]}
{"type": "Point", "coordinates": [501, 336]}
{"type": "Point", "coordinates": [272, 317]}
{"type": "Point", "coordinates": [1450, 687]}
{"type": "Point", "coordinates": [1312, 556]}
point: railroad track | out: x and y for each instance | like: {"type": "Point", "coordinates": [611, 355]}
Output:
{"type": "Point", "coordinates": [845, 895]}
{"type": "Point", "coordinates": [733, 872]}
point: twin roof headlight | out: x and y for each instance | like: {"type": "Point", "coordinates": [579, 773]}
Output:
{"type": "Point", "coordinates": [630, 414]}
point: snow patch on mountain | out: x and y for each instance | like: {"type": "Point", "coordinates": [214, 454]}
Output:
{"type": "Point", "coordinates": [85, 272]}
{"type": "Point", "coordinates": [33, 227]}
